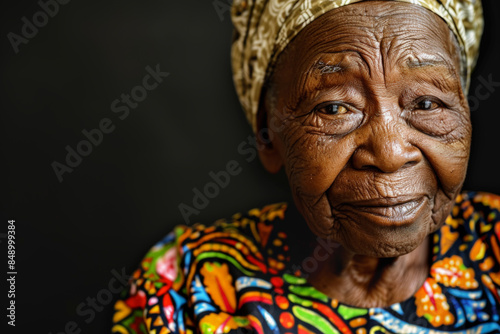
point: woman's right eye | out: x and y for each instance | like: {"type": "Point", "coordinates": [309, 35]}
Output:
{"type": "Point", "coordinates": [333, 118]}
{"type": "Point", "coordinates": [332, 109]}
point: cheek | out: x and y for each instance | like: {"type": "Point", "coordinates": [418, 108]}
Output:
{"type": "Point", "coordinates": [313, 162]}
{"type": "Point", "coordinates": [449, 158]}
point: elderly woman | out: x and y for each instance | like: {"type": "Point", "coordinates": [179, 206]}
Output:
{"type": "Point", "coordinates": [363, 103]}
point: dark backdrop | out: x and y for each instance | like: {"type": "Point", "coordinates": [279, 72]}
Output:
{"type": "Point", "coordinates": [124, 196]}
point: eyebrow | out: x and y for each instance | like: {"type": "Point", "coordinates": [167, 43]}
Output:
{"type": "Point", "coordinates": [312, 79]}
{"type": "Point", "coordinates": [325, 68]}
{"type": "Point", "coordinates": [427, 62]}
{"type": "Point", "coordinates": [322, 69]}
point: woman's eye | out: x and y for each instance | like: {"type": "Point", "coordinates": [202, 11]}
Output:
{"type": "Point", "coordinates": [332, 109]}
{"type": "Point", "coordinates": [426, 105]}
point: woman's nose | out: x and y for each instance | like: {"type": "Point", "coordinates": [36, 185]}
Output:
{"type": "Point", "coordinates": [386, 148]}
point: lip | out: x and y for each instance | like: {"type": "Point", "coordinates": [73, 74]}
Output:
{"type": "Point", "coordinates": [393, 211]}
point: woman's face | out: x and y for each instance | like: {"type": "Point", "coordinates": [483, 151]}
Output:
{"type": "Point", "coordinates": [376, 132]}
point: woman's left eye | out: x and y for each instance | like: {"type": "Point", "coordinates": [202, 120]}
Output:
{"type": "Point", "coordinates": [427, 104]}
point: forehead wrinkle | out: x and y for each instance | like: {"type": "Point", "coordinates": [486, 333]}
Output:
{"type": "Point", "coordinates": [420, 37]}
{"type": "Point", "coordinates": [419, 33]}
{"type": "Point", "coordinates": [410, 54]}
{"type": "Point", "coordinates": [434, 69]}
{"type": "Point", "coordinates": [326, 39]}
{"type": "Point", "coordinates": [372, 29]}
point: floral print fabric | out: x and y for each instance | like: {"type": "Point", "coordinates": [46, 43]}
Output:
{"type": "Point", "coordinates": [237, 276]}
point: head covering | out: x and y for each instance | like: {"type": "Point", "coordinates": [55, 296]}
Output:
{"type": "Point", "coordinates": [263, 28]}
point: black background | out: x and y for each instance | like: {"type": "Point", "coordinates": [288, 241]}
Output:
{"type": "Point", "coordinates": [124, 196]}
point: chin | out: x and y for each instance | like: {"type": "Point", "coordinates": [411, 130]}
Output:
{"type": "Point", "coordinates": [389, 247]}
{"type": "Point", "coordinates": [375, 235]}
{"type": "Point", "coordinates": [384, 229]}
{"type": "Point", "coordinates": [384, 241]}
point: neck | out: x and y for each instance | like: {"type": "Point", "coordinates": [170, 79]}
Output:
{"type": "Point", "coordinates": [365, 281]}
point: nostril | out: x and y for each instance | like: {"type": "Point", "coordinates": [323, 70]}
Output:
{"type": "Point", "coordinates": [385, 161]}
{"type": "Point", "coordinates": [410, 163]}
{"type": "Point", "coordinates": [371, 168]}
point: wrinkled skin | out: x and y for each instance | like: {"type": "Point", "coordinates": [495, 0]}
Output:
{"type": "Point", "coordinates": [375, 140]}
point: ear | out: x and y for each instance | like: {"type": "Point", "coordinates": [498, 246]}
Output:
{"type": "Point", "coordinates": [268, 141]}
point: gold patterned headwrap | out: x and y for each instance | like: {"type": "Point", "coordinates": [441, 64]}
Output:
{"type": "Point", "coordinates": [263, 28]}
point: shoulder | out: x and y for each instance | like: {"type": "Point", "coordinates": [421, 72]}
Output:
{"type": "Point", "coordinates": [468, 243]}
{"type": "Point", "coordinates": [241, 244]}
{"type": "Point", "coordinates": [479, 202]}
{"type": "Point", "coordinates": [241, 241]}
{"type": "Point", "coordinates": [474, 223]}
{"type": "Point", "coordinates": [476, 214]}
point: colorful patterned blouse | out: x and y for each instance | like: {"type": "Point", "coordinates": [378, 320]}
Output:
{"type": "Point", "coordinates": [241, 275]}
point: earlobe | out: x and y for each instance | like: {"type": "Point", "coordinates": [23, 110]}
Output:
{"type": "Point", "coordinates": [269, 155]}
{"type": "Point", "coordinates": [267, 143]}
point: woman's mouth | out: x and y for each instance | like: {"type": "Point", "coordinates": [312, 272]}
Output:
{"type": "Point", "coordinates": [393, 211]}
